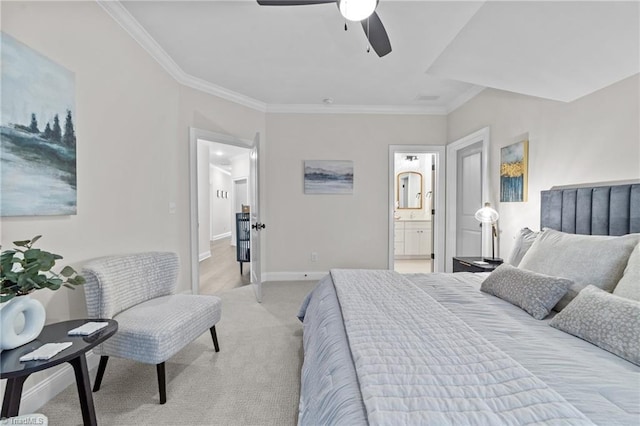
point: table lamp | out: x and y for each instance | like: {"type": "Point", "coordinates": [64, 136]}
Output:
{"type": "Point", "coordinates": [488, 215]}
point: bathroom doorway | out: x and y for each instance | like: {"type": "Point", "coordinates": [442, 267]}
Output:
{"type": "Point", "coordinates": [416, 202]}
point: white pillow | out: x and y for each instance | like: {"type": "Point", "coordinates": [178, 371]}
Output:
{"type": "Point", "coordinates": [524, 240]}
{"type": "Point", "coordinates": [597, 260]}
{"type": "Point", "coordinates": [629, 284]}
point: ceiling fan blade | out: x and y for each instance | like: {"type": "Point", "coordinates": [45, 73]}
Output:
{"type": "Point", "coordinates": [377, 35]}
{"type": "Point", "coordinates": [292, 2]}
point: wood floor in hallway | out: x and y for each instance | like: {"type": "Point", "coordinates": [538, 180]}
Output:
{"type": "Point", "coordinates": [221, 271]}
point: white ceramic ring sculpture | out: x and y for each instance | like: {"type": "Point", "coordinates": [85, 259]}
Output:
{"type": "Point", "coordinates": [34, 318]}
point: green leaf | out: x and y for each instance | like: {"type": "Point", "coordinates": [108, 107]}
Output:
{"type": "Point", "coordinates": [6, 297]}
{"type": "Point", "coordinates": [67, 271]}
{"type": "Point", "coordinates": [33, 254]}
{"type": "Point", "coordinates": [23, 243]}
{"type": "Point", "coordinates": [24, 269]}
{"type": "Point", "coordinates": [77, 280]}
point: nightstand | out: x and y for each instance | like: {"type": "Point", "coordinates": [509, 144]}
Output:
{"type": "Point", "coordinates": [468, 264]}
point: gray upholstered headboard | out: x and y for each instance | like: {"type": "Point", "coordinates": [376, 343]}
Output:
{"type": "Point", "coordinates": [597, 210]}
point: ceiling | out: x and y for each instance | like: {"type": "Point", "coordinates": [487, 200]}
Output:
{"type": "Point", "coordinates": [221, 154]}
{"type": "Point", "coordinates": [290, 59]}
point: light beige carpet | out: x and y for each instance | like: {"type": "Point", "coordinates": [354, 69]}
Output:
{"type": "Point", "coordinates": [253, 380]}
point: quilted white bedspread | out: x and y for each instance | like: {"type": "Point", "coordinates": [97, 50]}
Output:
{"type": "Point", "coordinates": [428, 367]}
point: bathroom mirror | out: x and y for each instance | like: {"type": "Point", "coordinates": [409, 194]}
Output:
{"type": "Point", "coordinates": [409, 190]}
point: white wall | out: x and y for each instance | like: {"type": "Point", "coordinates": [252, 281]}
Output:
{"type": "Point", "coordinates": [593, 139]}
{"type": "Point", "coordinates": [220, 207]}
{"type": "Point", "coordinates": [204, 201]}
{"type": "Point", "coordinates": [240, 169]}
{"type": "Point", "coordinates": [203, 111]}
{"type": "Point", "coordinates": [345, 230]}
{"type": "Point", "coordinates": [133, 159]}
{"type": "Point", "coordinates": [132, 126]}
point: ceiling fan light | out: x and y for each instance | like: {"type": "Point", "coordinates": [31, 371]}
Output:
{"type": "Point", "coordinates": [357, 10]}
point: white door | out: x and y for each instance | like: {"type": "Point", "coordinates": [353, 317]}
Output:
{"type": "Point", "coordinates": [256, 225]}
{"type": "Point", "coordinates": [469, 200]}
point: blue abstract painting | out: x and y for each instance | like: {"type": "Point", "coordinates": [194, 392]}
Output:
{"type": "Point", "coordinates": [513, 172]}
{"type": "Point", "coordinates": [38, 140]}
{"type": "Point", "coordinates": [328, 177]}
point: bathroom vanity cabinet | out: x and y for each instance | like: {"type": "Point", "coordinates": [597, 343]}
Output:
{"type": "Point", "coordinates": [412, 239]}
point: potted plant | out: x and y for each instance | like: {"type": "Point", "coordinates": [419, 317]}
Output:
{"type": "Point", "coordinates": [23, 270]}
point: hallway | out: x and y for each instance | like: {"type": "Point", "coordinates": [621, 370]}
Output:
{"type": "Point", "coordinates": [221, 271]}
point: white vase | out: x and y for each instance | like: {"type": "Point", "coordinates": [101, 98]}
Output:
{"type": "Point", "coordinates": [20, 309]}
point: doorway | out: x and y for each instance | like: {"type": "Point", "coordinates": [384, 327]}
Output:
{"type": "Point", "coordinates": [467, 189]}
{"type": "Point", "coordinates": [219, 170]}
{"type": "Point", "coordinates": [416, 208]}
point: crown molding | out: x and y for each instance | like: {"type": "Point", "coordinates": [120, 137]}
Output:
{"type": "Point", "coordinates": [354, 109]}
{"type": "Point", "coordinates": [122, 16]}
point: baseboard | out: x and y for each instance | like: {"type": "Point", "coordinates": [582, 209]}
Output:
{"type": "Point", "coordinates": [37, 396]}
{"type": "Point", "coordinates": [204, 255]}
{"type": "Point", "coordinates": [293, 276]}
{"type": "Point", "coordinates": [221, 236]}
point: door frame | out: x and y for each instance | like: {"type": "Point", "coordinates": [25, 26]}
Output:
{"type": "Point", "coordinates": [483, 135]}
{"type": "Point", "coordinates": [234, 195]}
{"type": "Point", "coordinates": [437, 228]}
{"type": "Point", "coordinates": [194, 135]}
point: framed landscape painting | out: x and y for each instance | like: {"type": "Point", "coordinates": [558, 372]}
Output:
{"type": "Point", "coordinates": [513, 172]}
{"type": "Point", "coordinates": [38, 153]}
{"type": "Point", "coordinates": [328, 177]}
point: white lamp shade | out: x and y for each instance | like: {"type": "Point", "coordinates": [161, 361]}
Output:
{"type": "Point", "coordinates": [486, 214]}
{"type": "Point", "coordinates": [357, 10]}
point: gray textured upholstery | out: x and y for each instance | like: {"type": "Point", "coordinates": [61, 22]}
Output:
{"type": "Point", "coordinates": [602, 210]}
{"type": "Point", "coordinates": [536, 293]}
{"type": "Point", "coordinates": [606, 320]}
{"type": "Point", "coordinates": [137, 291]}
{"type": "Point", "coordinates": [629, 284]}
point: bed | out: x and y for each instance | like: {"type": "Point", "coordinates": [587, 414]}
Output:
{"type": "Point", "coordinates": [385, 348]}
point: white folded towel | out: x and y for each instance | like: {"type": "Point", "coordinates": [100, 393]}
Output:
{"type": "Point", "coordinates": [46, 351]}
{"type": "Point", "coordinates": [87, 329]}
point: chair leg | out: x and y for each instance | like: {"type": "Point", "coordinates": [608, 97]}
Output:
{"type": "Point", "coordinates": [101, 368]}
{"type": "Point", "coordinates": [162, 384]}
{"type": "Point", "coordinates": [215, 338]}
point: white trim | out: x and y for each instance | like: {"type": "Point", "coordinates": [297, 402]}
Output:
{"type": "Point", "coordinates": [221, 236]}
{"type": "Point", "coordinates": [221, 170]}
{"type": "Point", "coordinates": [194, 135]}
{"type": "Point", "coordinates": [204, 255]}
{"type": "Point", "coordinates": [483, 135]}
{"type": "Point", "coordinates": [44, 391]}
{"type": "Point", "coordinates": [438, 203]}
{"type": "Point", "coordinates": [355, 109]}
{"type": "Point", "coordinates": [122, 16]}
{"type": "Point", "coordinates": [293, 276]}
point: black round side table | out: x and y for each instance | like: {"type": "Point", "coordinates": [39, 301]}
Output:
{"type": "Point", "coordinates": [16, 372]}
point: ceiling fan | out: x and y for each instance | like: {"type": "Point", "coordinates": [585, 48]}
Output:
{"type": "Point", "coordinates": [352, 10]}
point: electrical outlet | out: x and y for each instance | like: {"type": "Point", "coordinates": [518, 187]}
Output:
{"type": "Point", "coordinates": [314, 256]}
